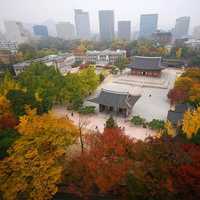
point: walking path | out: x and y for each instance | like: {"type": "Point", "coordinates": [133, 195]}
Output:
{"type": "Point", "coordinates": [97, 121]}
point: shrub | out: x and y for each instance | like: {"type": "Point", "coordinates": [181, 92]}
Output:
{"type": "Point", "coordinates": [137, 120]}
{"type": "Point", "coordinates": [110, 123]}
{"type": "Point", "coordinates": [87, 110]}
{"type": "Point", "coordinates": [156, 124]}
{"type": "Point", "coordinates": [114, 70]}
{"type": "Point", "coordinates": [101, 77]}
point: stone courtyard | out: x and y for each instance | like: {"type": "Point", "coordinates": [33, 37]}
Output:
{"type": "Point", "coordinates": [153, 103]}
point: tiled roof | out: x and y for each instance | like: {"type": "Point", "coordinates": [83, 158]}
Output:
{"type": "Point", "coordinates": [115, 99]}
{"type": "Point", "coordinates": [176, 116]}
{"type": "Point", "coordinates": [146, 63]}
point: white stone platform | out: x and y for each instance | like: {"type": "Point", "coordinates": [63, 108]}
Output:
{"type": "Point", "coordinates": [143, 81]}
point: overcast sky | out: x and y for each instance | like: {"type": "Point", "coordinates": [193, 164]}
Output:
{"type": "Point", "coordinates": [37, 11]}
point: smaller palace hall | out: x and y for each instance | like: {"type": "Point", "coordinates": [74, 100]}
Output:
{"type": "Point", "coordinates": [146, 66]}
{"type": "Point", "coordinates": [115, 102]}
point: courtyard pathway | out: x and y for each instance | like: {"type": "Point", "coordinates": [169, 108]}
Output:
{"type": "Point", "coordinates": [98, 120]}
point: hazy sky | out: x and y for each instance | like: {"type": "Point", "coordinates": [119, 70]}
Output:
{"type": "Point", "coordinates": [63, 10]}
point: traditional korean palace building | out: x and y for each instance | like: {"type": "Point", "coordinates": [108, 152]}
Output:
{"type": "Point", "coordinates": [115, 102]}
{"type": "Point", "coordinates": [146, 66]}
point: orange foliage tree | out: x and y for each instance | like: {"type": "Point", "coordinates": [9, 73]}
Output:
{"type": "Point", "coordinates": [186, 88]}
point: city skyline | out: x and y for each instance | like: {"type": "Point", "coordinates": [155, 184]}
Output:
{"type": "Point", "coordinates": [124, 10]}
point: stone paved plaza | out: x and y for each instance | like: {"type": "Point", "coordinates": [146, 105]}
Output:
{"type": "Point", "coordinates": [153, 103]}
{"type": "Point", "coordinates": [147, 107]}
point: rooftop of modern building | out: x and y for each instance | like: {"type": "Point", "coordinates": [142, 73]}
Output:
{"type": "Point", "coordinates": [192, 41]}
{"type": "Point", "coordinates": [106, 52]}
{"type": "Point", "coordinates": [161, 32]}
{"type": "Point", "coordinates": [49, 58]}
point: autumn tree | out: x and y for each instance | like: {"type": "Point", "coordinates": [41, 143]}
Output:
{"type": "Point", "coordinates": [34, 166]}
{"type": "Point", "coordinates": [194, 94]}
{"type": "Point", "coordinates": [184, 83]}
{"type": "Point", "coordinates": [7, 118]}
{"type": "Point", "coordinates": [8, 83]}
{"type": "Point", "coordinates": [164, 169]}
{"type": "Point", "coordinates": [186, 88]}
{"type": "Point", "coordinates": [4, 105]}
{"type": "Point", "coordinates": [103, 166]}
{"type": "Point", "coordinates": [8, 121]}
{"type": "Point", "coordinates": [186, 175]}
{"type": "Point", "coordinates": [191, 123]}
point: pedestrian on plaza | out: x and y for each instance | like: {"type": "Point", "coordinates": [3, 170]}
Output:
{"type": "Point", "coordinates": [72, 114]}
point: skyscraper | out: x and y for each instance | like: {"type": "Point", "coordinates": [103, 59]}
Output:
{"type": "Point", "coordinates": [82, 23]}
{"type": "Point", "coordinates": [16, 32]}
{"type": "Point", "coordinates": [182, 27]}
{"type": "Point", "coordinates": [51, 25]}
{"type": "Point", "coordinates": [65, 30]}
{"type": "Point", "coordinates": [106, 25]}
{"type": "Point", "coordinates": [196, 33]}
{"type": "Point", "coordinates": [124, 30]}
{"type": "Point", "coordinates": [148, 25]}
{"type": "Point", "coordinates": [40, 30]}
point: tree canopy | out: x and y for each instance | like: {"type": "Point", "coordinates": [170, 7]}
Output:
{"type": "Point", "coordinates": [33, 168]}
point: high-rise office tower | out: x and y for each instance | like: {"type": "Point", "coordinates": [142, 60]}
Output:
{"type": "Point", "coordinates": [196, 33]}
{"type": "Point", "coordinates": [82, 23]}
{"type": "Point", "coordinates": [2, 36]}
{"type": "Point", "coordinates": [51, 25]}
{"type": "Point", "coordinates": [148, 25]}
{"type": "Point", "coordinates": [106, 25]}
{"type": "Point", "coordinates": [16, 32]}
{"type": "Point", "coordinates": [65, 30]}
{"type": "Point", "coordinates": [40, 31]}
{"type": "Point", "coordinates": [182, 27]}
{"type": "Point", "coordinates": [124, 30]}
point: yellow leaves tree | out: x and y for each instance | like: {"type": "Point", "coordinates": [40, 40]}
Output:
{"type": "Point", "coordinates": [194, 94]}
{"type": "Point", "coordinates": [35, 164]}
{"type": "Point", "coordinates": [8, 84]}
{"type": "Point", "coordinates": [184, 83]}
{"type": "Point", "coordinates": [171, 131]}
{"type": "Point", "coordinates": [191, 122]}
{"type": "Point", "coordinates": [162, 51]}
{"type": "Point", "coordinates": [4, 105]}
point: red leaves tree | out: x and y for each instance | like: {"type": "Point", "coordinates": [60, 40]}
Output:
{"type": "Point", "coordinates": [103, 165]}
{"type": "Point", "coordinates": [186, 177]}
{"type": "Point", "coordinates": [8, 120]}
{"type": "Point", "coordinates": [177, 95]}
{"type": "Point", "coordinates": [158, 168]}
